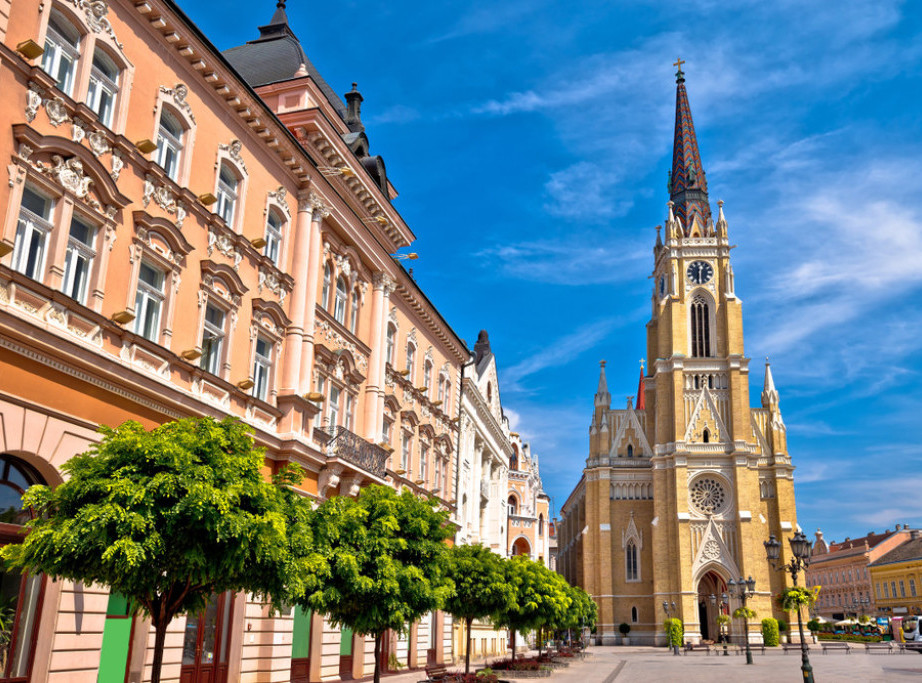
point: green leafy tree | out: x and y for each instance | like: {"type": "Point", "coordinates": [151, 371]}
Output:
{"type": "Point", "coordinates": [386, 554]}
{"type": "Point", "coordinates": [675, 632]}
{"type": "Point", "coordinates": [480, 588]}
{"type": "Point", "coordinates": [583, 612]}
{"type": "Point", "coordinates": [169, 518]}
{"type": "Point", "coordinates": [541, 598]}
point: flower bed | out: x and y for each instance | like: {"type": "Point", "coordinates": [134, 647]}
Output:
{"type": "Point", "coordinates": [849, 637]}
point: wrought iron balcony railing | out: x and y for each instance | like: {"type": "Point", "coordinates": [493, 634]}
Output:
{"type": "Point", "coordinates": [352, 448]}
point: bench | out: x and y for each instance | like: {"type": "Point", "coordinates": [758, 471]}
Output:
{"type": "Point", "coordinates": [911, 647]}
{"type": "Point", "coordinates": [837, 646]}
{"type": "Point", "coordinates": [697, 647]}
{"type": "Point", "coordinates": [440, 674]}
{"type": "Point", "coordinates": [790, 646]}
{"type": "Point", "coordinates": [753, 647]}
{"type": "Point", "coordinates": [878, 647]}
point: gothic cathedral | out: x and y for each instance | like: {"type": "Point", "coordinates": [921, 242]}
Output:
{"type": "Point", "coordinates": [683, 485]}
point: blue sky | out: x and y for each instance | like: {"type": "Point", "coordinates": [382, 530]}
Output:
{"type": "Point", "coordinates": [530, 141]}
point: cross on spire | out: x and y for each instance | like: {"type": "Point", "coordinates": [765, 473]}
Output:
{"type": "Point", "coordinates": [678, 63]}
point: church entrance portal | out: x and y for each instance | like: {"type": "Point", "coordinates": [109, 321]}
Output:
{"type": "Point", "coordinates": [711, 589]}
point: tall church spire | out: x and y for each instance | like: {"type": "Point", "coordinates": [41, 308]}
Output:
{"type": "Point", "coordinates": [688, 187]}
{"type": "Point", "coordinates": [602, 397]}
{"type": "Point", "coordinates": [769, 393]}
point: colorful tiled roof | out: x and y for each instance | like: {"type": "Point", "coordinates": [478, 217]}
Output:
{"type": "Point", "coordinates": [688, 187]}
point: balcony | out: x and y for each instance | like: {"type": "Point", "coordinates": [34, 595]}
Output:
{"type": "Point", "coordinates": [353, 449]}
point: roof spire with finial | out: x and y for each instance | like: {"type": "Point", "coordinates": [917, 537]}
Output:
{"type": "Point", "coordinates": [769, 392]}
{"type": "Point", "coordinates": [353, 116]}
{"type": "Point", "coordinates": [641, 393]}
{"type": "Point", "coordinates": [688, 187]}
{"type": "Point", "coordinates": [602, 397]}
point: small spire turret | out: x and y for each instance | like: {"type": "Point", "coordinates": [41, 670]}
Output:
{"type": "Point", "coordinates": [770, 396]}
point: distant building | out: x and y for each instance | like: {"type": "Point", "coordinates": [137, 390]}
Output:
{"type": "Point", "coordinates": [897, 578]}
{"type": "Point", "coordinates": [842, 572]}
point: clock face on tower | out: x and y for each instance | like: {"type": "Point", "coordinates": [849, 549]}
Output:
{"type": "Point", "coordinates": [699, 272]}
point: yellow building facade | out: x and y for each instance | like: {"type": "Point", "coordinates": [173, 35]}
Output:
{"type": "Point", "coordinates": [897, 579]}
{"type": "Point", "coordinates": [683, 485]}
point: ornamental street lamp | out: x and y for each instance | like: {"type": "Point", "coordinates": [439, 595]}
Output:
{"type": "Point", "coordinates": [743, 590]}
{"type": "Point", "coordinates": [670, 611]}
{"type": "Point", "coordinates": [863, 603]}
{"type": "Point", "coordinates": [800, 549]}
{"type": "Point", "coordinates": [724, 602]}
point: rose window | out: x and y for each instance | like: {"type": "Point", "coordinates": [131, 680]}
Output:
{"type": "Point", "coordinates": [708, 496]}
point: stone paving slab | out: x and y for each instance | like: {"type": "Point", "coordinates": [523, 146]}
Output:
{"type": "Point", "coordinates": [623, 664]}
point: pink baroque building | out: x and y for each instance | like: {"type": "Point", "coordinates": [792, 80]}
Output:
{"type": "Point", "coordinates": [186, 232]}
{"type": "Point", "coordinates": [842, 572]}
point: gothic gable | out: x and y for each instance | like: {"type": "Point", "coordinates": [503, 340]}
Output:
{"type": "Point", "coordinates": [629, 432]}
{"type": "Point", "coordinates": [713, 551]}
{"type": "Point", "coordinates": [705, 416]}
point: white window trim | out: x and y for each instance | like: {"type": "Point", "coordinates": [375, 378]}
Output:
{"type": "Point", "coordinates": [27, 225]}
{"type": "Point", "coordinates": [76, 250]}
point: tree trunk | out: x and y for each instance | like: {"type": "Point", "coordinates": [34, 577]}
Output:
{"type": "Point", "coordinates": [513, 646]}
{"type": "Point", "coordinates": [467, 651]}
{"type": "Point", "coordinates": [378, 637]}
{"type": "Point", "coordinates": [159, 639]}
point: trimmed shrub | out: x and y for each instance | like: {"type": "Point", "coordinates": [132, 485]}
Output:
{"type": "Point", "coordinates": [783, 626]}
{"type": "Point", "coordinates": [675, 632]}
{"type": "Point", "coordinates": [625, 628]}
{"type": "Point", "coordinates": [770, 635]}
{"type": "Point", "coordinates": [813, 625]}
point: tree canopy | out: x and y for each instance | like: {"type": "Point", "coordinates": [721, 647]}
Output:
{"type": "Point", "coordinates": [169, 518]}
{"type": "Point", "coordinates": [386, 554]}
{"type": "Point", "coordinates": [480, 587]}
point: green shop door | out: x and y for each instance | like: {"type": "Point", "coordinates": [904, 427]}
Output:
{"type": "Point", "coordinates": [301, 646]}
{"type": "Point", "coordinates": [345, 653]}
{"type": "Point", "coordinates": [116, 641]}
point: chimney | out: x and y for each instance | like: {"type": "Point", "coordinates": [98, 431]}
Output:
{"type": "Point", "coordinates": [915, 534]}
{"type": "Point", "coordinates": [353, 116]}
{"type": "Point", "coordinates": [899, 526]}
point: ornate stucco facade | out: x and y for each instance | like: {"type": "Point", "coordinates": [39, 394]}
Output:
{"type": "Point", "coordinates": [683, 484]}
{"type": "Point", "coordinates": [185, 233]}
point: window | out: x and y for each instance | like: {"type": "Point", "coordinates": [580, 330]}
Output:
{"type": "Point", "coordinates": [630, 553]}
{"type": "Point", "coordinates": [886, 591]}
{"type": "Point", "coordinates": [514, 460]}
{"type": "Point", "coordinates": [700, 327]}
{"type": "Point", "coordinates": [513, 506]}
{"type": "Point", "coordinates": [262, 366]}
{"type": "Point", "coordinates": [902, 589]}
{"type": "Point", "coordinates": [391, 342]}
{"type": "Point", "coordinates": [633, 615]}
{"type": "Point", "coordinates": [427, 373]}
{"type": "Point", "coordinates": [327, 280]}
{"type": "Point", "coordinates": [100, 96]}
{"type": "Point", "coordinates": [441, 389]}
{"type": "Point", "coordinates": [354, 314]}
{"type": "Point", "coordinates": [335, 393]}
{"type": "Point", "coordinates": [227, 194]}
{"type": "Point", "coordinates": [169, 144]}
{"type": "Point", "coordinates": [212, 339]}
{"type": "Point", "coordinates": [32, 234]}
{"type": "Point", "coordinates": [541, 525]}
{"type": "Point", "coordinates": [630, 450]}
{"type": "Point", "coordinates": [405, 453]}
{"type": "Point", "coordinates": [438, 470]}
{"type": "Point", "coordinates": [350, 410]}
{"type": "Point", "coordinates": [893, 589]}
{"type": "Point", "coordinates": [273, 237]}
{"type": "Point", "coordinates": [387, 428]}
{"type": "Point", "coordinates": [339, 302]}
{"type": "Point", "coordinates": [706, 435]}
{"type": "Point", "coordinates": [424, 463]}
{"type": "Point", "coordinates": [79, 259]}
{"type": "Point", "coordinates": [912, 588]}
{"type": "Point", "coordinates": [62, 50]}
{"type": "Point", "coordinates": [148, 301]}
{"type": "Point", "coordinates": [411, 361]}
{"type": "Point", "coordinates": [321, 389]}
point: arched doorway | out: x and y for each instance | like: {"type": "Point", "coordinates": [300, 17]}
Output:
{"type": "Point", "coordinates": [711, 584]}
{"type": "Point", "coordinates": [20, 594]}
{"type": "Point", "coordinates": [521, 546]}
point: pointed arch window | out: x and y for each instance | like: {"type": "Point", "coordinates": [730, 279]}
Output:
{"type": "Point", "coordinates": [630, 451]}
{"type": "Point", "coordinates": [633, 615]}
{"type": "Point", "coordinates": [513, 506]}
{"type": "Point", "coordinates": [700, 327]}
{"type": "Point", "coordinates": [631, 566]}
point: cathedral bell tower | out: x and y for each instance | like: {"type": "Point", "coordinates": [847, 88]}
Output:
{"type": "Point", "coordinates": [684, 484]}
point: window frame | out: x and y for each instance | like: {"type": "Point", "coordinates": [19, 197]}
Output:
{"type": "Point", "coordinates": [159, 296]}
{"type": "Point", "coordinates": [631, 561]}
{"type": "Point", "coordinates": [273, 248]}
{"type": "Point", "coordinates": [213, 355]}
{"type": "Point", "coordinates": [228, 194]}
{"type": "Point", "coordinates": [340, 300]}
{"type": "Point", "coordinates": [104, 83]}
{"type": "Point", "coordinates": [77, 249]}
{"type": "Point", "coordinates": [390, 343]}
{"type": "Point", "coordinates": [262, 368]}
{"type": "Point", "coordinates": [28, 221]}
{"type": "Point", "coordinates": [55, 44]}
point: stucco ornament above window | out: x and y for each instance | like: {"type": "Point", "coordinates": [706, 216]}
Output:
{"type": "Point", "coordinates": [179, 92]}
{"type": "Point", "coordinates": [95, 14]}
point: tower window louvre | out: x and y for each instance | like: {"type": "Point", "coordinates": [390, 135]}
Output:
{"type": "Point", "coordinates": [700, 329]}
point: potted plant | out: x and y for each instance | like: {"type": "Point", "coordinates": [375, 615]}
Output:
{"type": "Point", "coordinates": [813, 625]}
{"type": "Point", "coordinates": [723, 620]}
{"type": "Point", "coordinates": [625, 628]}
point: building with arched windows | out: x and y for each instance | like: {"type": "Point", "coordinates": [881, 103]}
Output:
{"type": "Point", "coordinates": [187, 232]}
{"type": "Point", "coordinates": [685, 480]}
